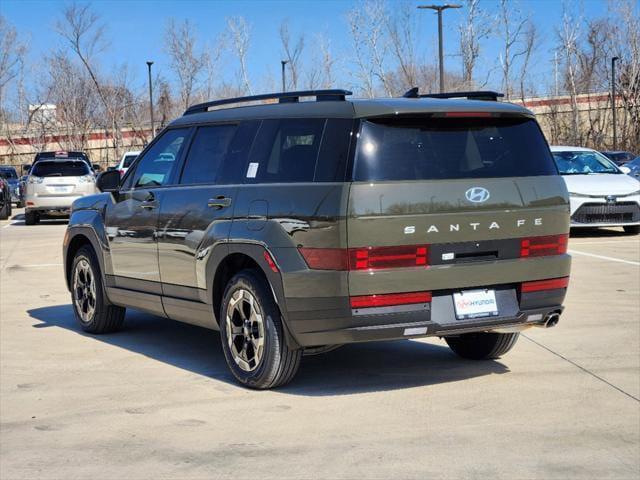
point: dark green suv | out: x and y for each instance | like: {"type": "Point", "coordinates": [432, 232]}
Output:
{"type": "Point", "coordinates": [309, 221]}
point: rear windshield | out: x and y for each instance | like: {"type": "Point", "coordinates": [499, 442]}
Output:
{"type": "Point", "coordinates": [72, 168]}
{"type": "Point", "coordinates": [8, 173]}
{"type": "Point", "coordinates": [451, 148]}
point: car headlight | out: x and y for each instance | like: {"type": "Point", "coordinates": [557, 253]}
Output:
{"type": "Point", "coordinates": [580, 195]}
{"type": "Point", "coordinates": [33, 180]}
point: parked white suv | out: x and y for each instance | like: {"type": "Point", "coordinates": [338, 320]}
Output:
{"type": "Point", "coordinates": [53, 185]}
{"type": "Point", "coordinates": [126, 161]}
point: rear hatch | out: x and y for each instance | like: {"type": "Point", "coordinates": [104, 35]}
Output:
{"type": "Point", "coordinates": [60, 178]}
{"type": "Point", "coordinates": [455, 201]}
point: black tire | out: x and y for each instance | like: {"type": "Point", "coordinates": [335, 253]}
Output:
{"type": "Point", "coordinates": [632, 229]}
{"type": "Point", "coordinates": [20, 204]}
{"type": "Point", "coordinates": [31, 218]}
{"type": "Point", "coordinates": [276, 364]}
{"type": "Point", "coordinates": [5, 209]}
{"type": "Point", "coordinates": [103, 317]}
{"type": "Point", "coordinates": [482, 345]}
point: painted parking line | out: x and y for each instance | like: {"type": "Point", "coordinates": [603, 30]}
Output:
{"type": "Point", "coordinates": [602, 257]}
{"type": "Point", "coordinates": [40, 265]}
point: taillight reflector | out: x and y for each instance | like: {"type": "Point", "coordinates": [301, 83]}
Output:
{"type": "Point", "coordinates": [269, 259]}
{"type": "Point", "coordinates": [366, 258]}
{"type": "Point", "coordinates": [542, 246]}
{"type": "Point", "coordinates": [550, 284]}
{"type": "Point", "coordinates": [390, 299]}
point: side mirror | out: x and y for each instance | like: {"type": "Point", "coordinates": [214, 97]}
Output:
{"type": "Point", "coordinates": [96, 167]}
{"type": "Point", "coordinates": [108, 181]}
{"type": "Point", "coordinates": [625, 170]}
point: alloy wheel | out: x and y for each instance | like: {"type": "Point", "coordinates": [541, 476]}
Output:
{"type": "Point", "coordinates": [245, 330]}
{"type": "Point", "coordinates": [84, 290]}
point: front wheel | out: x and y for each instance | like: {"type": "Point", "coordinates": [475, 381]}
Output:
{"type": "Point", "coordinates": [632, 229]}
{"type": "Point", "coordinates": [92, 311]}
{"type": "Point", "coordinates": [5, 209]}
{"type": "Point", "coordinates": [252, 334]}
{"type": "Point", "coordinates": [482, 345]}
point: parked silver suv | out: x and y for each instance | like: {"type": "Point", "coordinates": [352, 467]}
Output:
{"type": "Point", "coordinates": [54, 184]}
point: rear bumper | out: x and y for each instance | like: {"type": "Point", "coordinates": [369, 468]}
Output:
{"type": "Point", "coordinates": [435, 319]}
{"type": "Point", "coordinates": [36, 203]}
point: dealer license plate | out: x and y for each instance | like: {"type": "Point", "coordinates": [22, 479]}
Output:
{"type": "Point", "coordinates": [475, 304]}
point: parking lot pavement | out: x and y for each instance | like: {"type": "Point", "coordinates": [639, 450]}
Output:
{"type": "Point", "coordinates": [156, 400]}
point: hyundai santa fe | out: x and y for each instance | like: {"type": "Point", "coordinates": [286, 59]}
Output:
{"type": "Point", "coordinates": [313, 221]}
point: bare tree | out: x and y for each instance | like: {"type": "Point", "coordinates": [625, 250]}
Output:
{"type": "Point", "coordinates": [292, 51]}
{"type": "Point", "coordinates": [475, 27]}
{"type": "Point", "coordinates": [187, 61]}
{"type": "Point", "coordinates": [568, 37]}
{"type": "Point", "coordinates": [367, 25]}
{"type": "Point", "coordinates": [240, 33]}
{"type": "Point", "coordinates": [512, 28]}
{"type": "Point", "coordinates": [12, 52]}
{"type": "Point", "coordinates": [401, 28]}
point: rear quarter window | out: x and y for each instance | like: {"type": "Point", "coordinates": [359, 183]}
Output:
{"type": "Point", "coordinates": [451, 148]}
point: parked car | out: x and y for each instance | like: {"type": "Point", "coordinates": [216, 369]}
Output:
{"type": "Point", "coordinates": [5, 199]}
{"type": "Point", "coordinates": [601, 194]}
{"type": "Point", "coordinates": [297, 226]}
{"type": "Point", "coordinates": [52, 186]}
{"type": "Point", "coordinates": [634, 168]}
{"type": "Point", "coordinates": [64, 155]}
{"type": "Point", "coordinates": [126, 161]}
{"type": "Point", "coordinates": [619, 158]}
{"type": "Point", "coordinates": [11, 176]}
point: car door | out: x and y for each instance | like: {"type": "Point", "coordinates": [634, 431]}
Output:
{"type": "Point", "coordinates": [196, 214]}
{"type": "Point", "coordinates": [131, 220]}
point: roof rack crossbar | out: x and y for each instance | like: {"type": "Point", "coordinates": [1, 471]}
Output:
{"type": "Point", "coordinates": [473, 95]}
{"type": "Point", "coordinates": [283, 97]}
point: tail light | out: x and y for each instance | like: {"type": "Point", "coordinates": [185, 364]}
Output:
{"type": "Point", "coordinates": [390, 299]}
{"type": "Point", "coordinates": [549, 284]}
{"type": "Point", "coordinates": [543, 246]}
{"type": "Point", "coordinates": [366, 258]}
{"type": "Point", "coordinates": [271, 262]}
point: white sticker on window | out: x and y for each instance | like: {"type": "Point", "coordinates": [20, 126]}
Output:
{"type": "Point", "coordinates": [252, 171]}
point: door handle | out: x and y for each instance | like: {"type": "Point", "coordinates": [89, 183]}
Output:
{"type": "Point", "coordinates": [219, 202]}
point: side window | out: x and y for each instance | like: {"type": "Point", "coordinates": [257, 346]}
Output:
{"type": "Point", "coordinates": [334, 151]}
{"type": "Point", "coordinates": [285, 151]}
{"type": "Point", "coordinates": [207, 154]}
{"type": "Point", "coordinates": [156, 166]}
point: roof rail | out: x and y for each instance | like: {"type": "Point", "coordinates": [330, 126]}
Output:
{"type": "Point", "coordinates": [283, 97]}
{"type": "Point", "coordinates": [476, 95]}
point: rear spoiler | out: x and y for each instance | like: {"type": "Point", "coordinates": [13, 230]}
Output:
{"type": "Point", "coordinates": [488, 95]}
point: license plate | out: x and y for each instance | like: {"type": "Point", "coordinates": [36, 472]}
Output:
{"type": "Point", "coordinates": [60, 189]}
{"type": "Point", "coordinates": [475, 304]}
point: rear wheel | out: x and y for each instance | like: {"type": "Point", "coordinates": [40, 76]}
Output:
{"type": "Point", "coordinates": [5, 208]}
{"type": "Point", "coordinates": [91, 309]}
{"type": "Point", "coordinates": [252, 334]}
{"type": "Point", "coordinates": [482, 345]}
{"type": "Point", "coordinates": [632, 229]}
{"type": "Point", "coordinates": [31, 218]}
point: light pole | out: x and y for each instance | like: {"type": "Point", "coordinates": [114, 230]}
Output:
{"type": "Point", "coordinates": [613, 101]}
{"type": "Point", "coordinates": [153, 125]}
{"type": "Point", "coordinates": [284, 85]}
{"type": "Point", "coordinates": [439, 9]}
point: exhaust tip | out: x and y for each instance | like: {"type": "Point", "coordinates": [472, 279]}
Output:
{"type": "Point", "coordinates": [551, 320]}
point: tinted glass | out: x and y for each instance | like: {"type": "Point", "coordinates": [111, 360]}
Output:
{"type": "Point", "coordinates": [285, 151]}
{"type": "Point", "coordinates": [450, 148]}
{"type": "Point", "coordinates": [8, 173]}
{"type": "Point", "coordinates": [334, 151]}
{"type": "Point", "coordinates": [234, 167]}
{"type": "Point", "coordinates": [207, 153]}
{"type": "Point", "coordinates": [70, 168]}
{"type": "Point", "coordinates": [581, 163]}
{"type": "Point", "coordinates": [128, 160]}
{"type": "Point", "coordinates": [157, 164]}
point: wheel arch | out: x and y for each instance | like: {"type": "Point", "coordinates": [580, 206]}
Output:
{"type": "Point", "coordinates": [243, 256]}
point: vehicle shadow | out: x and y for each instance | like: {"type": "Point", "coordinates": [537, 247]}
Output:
{"type": "Point", "coordinates": [351, 369]}
{"type": "Point", "coordinates": [603, 232]}
{"type": "Point", "coordinates": [45, 221]}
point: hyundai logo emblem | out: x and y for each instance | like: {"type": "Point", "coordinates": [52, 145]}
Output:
{"type": "Point", "coordinates": [477, 194]}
